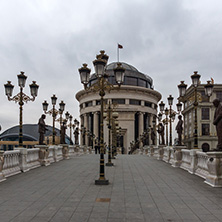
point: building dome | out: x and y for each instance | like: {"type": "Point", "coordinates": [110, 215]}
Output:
{"type": "Point", "coordinates": [132, 76]}
{"type": "Point", "coordinates": [126, 66]}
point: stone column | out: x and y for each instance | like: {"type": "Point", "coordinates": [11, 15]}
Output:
{"type": "Point", "coordinates": [86, 125]}
{"type": "Point", "coordinates": [141, 123]}
{"type": "Point", "coordinates": [81, 124]}
{"type": "Point", "coordinates": [141, 128]}
{"type": "Point", "coordinates": [149, 124]}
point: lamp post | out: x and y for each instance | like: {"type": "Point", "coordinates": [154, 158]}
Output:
{"type": "Point", "coordinates": [20, 98]}
{"type": "Point", "coordinates": [166, 120]}
{"type": "Point", "coordinates": [54, 112]}
{"type": "Point", "coordinates": [76, 131]}
{"type": "Point", "coordinates": [171, 113]}
{"type": "Point", "coordinates": [60, 119]}
{"type": "Point", "coordinates": [70, 125]}
{"type": "Point", "coordinates": [101, 86]}
{"type": "Point", "coordinates": [170, 103]}
{"type": "Point", "coordinates": [108, 116]}
{"type": "Point", "coordinates": [208, 91]}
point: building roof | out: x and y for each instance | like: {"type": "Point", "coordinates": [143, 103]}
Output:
{"type": "Point", "coordinates": [126, 66]}
{"type": "Point", "coordinates": [130, 72]}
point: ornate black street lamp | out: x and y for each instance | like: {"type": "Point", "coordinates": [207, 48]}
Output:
{"type": "Point", "coordinates": [20, 98]}
{"type": "Point", "coordinates": [101, 86]}
{"type": "Point", "coordinates": [108, 117]}
{"type": "Point", "coordinates": [70, 125]}
{"type": "Point", "coordinates": [169, 113]}
{"type": "Point", "coordinates": [54, 112]}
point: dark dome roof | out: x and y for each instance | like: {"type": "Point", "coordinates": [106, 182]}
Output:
{"type": "Point", "coordinates": [30, 133]}
{"type": "Point", "coordinates": [130, 72]}
{"type": "Point", "coordinates": [126, 66]}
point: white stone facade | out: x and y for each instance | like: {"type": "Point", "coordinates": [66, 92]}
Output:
{"type": "Point", "coordinates": [136, 106]}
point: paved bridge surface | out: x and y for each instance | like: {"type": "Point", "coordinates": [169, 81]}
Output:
{"type": "Point", "coordinates": [141, 189]}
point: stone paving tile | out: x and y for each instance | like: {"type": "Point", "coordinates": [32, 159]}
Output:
{"type": "Point", "coordinates": [140, 189]}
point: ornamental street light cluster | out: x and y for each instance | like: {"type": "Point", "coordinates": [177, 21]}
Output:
{"type": "Point", "coordinates": [208, 92]}
{"type": "Point", "coordinates": [102, 85]}
{"type": "Point", "coordinates": [54, 112]}
{"type": "Point", "coordinates": [20, 98]}
{"type": "Point", "coordinates": [169, 113]}
{"type": "Point", "coordinates": [72, 125]}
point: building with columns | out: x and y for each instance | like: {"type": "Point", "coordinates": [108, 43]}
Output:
{"type": "Point", "coordinates": [135, 101]}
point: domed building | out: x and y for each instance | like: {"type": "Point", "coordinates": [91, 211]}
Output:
{"type": "Point", "coordinates": [30, 133]}
{"type": "Point", "coordinates": [135, 101]}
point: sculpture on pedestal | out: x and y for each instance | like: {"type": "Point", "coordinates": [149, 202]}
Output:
{"type": "Point", "coordinates": [218, 122]}
{"type": "Point", "coordinates": [160, 130]}
{"type": "Point", "coordinates": [42, 129]}
{"type": "Point", "coordinates": [76, 135]}
{"type": "Point", "coordinates": [179, 129]}
{"type": "Point", "coordinates": [83, 132]}
{"type": "Point", "coordinates": [153, 136]}
{"type": "Point", "coordinates": [63, 133]}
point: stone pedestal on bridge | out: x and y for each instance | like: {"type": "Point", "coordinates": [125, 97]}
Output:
{"type": "Point", "coordinates": [151, 150]}
{"type": "Point", "coordinates": [160, 152]}
{"type": "Point", "coordinates": [214, 164]}
{"type": "Point", "coordinates": [43, 155]}
{"type": "Point", "coordinates": [23, 159]}
{"type": "Point", "coordinates": [76, 150]}
{"type": "Point", "coordinates": [65, 151]}
{"type": "Point", "coordinates": [177, 155]}
{"type": "Point", "coordinates": [166, 154]}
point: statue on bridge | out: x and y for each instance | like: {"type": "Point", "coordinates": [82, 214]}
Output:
{"type": "Point", "coordinates": [160, 130]}
{"type": "Point", "coordinates": [63, 132]}
{"type": "Point", "coordinates": [76, 135]}
{"type": "Point", "coordinates": [218, 122]}
{"type": "Point", "coordinates": [42, 129]}
{"type": "Point", "coordinates": [153, 136]}
{"type": "Point", "coordinates": [179, 129]}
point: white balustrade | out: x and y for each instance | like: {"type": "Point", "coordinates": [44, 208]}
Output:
{"type": "Point", "coordinates": [11, 163]}
{"type": "Point", "coordinates": [71, 150]}
{"type": "Point", "coordinates": [171, 155]}
{"type": "Point", "coordinates": [201, 169]}
{"type": "Point", "coordinates": [51, 154]}
{"type": "Point", "coordinates": [166, 154]}
{"type": "Point", "coordinates": [59, 153]}
{"type": "Point", "coordinates": [33, 158]}
{"type": "Point", "coordinates": [186, 159]}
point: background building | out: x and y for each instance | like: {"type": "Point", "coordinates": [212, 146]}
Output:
{"type": "Point", "coordinates": [30, 133]}
{"type": "Point", "coordinates": [207, 137]}
{"type": "Point", "coordinates": [135, 101]}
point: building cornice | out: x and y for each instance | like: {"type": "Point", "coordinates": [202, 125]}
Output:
{"type": "Point", "coordinates": [150, 92]}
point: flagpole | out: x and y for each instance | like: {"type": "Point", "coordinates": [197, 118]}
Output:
{"type": "Point", "coordinates": [117, 52]}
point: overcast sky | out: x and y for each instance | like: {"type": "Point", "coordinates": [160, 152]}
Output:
{"type": "Point", "coordinates": [50, 39]}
